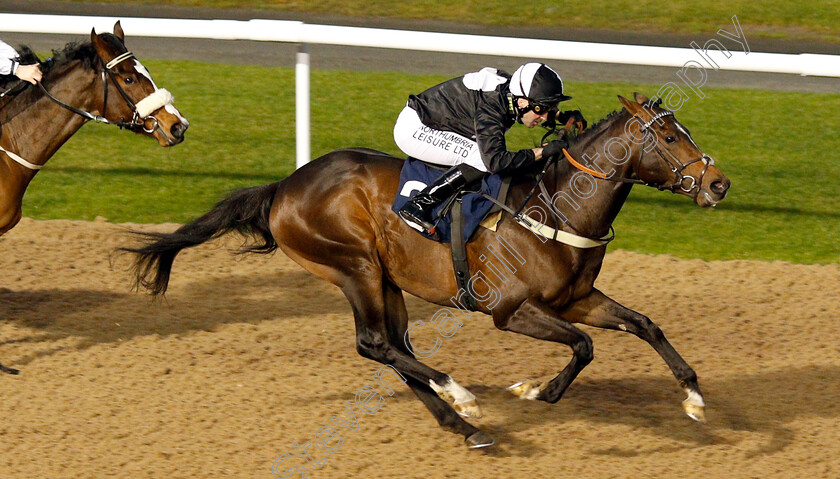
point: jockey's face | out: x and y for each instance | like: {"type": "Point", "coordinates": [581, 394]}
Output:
{"type": "Point", "coordinates": [529, 118]}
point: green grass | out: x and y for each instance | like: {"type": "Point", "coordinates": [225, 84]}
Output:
{"type": "Point", "coordinates": [816, 20]}
{"type": "Point", "coordinates": [779, 149]}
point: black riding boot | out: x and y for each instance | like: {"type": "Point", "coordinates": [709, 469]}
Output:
{"type": "Point", "coordinates": [417, 213]}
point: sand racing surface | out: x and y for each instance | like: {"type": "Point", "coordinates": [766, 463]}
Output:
{"type": "Point", "coordinates": [251, 357]}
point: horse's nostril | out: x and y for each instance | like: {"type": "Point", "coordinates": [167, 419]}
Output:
{"type": "Point", "coordinates": [719, 187]}
{"type": "Point", "coordinates": [177, 130]}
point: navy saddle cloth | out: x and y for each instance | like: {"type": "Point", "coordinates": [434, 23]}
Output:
{"type": "Point", "coordinates": [416, 175]}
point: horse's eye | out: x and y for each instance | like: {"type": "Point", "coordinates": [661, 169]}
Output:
{"type": "Point", "coordinates": [128, 80]}
{"type": "Point", "coordinates": [670, 139]}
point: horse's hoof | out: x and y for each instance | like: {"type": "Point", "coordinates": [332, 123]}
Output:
{"type": "Point", "coordinates": [526, 389]}
{"type": "Point", "coordinates": [468, 409]}
{"type": "Point", "coordinates": [695, 407]}
{"type": "Point", "coordinates": [479, 440]}
{"type": "Point", "coordinates": [698, 413]}
{"type": "Point", "coordinates": [8, 370]}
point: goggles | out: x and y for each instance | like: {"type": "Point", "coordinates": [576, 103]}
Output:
{"type": "Point", "coordinates": [540, 108]}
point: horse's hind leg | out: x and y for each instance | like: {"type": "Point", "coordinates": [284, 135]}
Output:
{"type": "Point", "coordinates": [366, 293]}
{"type": "Point", "coordinates": [397, 323]}
{"type": "Point", "coordinates": [602, 312]}
{"type": "Point", "coordinates": [8, 221]}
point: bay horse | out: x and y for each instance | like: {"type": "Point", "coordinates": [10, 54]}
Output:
{"type": "Point", "coordinates": [101, 81]}
{"type": "Point", "coordinates": [333, 217]}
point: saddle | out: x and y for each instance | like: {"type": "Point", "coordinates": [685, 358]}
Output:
{"type": "Point", "coordinates": [459, 217]}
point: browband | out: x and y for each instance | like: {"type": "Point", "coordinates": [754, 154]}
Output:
{"type": "Point", "coordinates": [118, 59]}
{"type": "Point", "coordinates": [656, 117]}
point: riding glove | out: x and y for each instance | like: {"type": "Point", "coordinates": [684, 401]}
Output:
{"type": "Point", "coordinates": [553, 148]}
{"type": "Point", "coordinates": [563, 117]}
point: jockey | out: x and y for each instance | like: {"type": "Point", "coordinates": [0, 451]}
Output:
{"type": "Point", "coordinates": [462, 123]}
{"type": "Point", "coordinates": [10, 65]}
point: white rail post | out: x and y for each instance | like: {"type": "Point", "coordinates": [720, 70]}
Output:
{"type": "Point", "coordinates": [303, 141]}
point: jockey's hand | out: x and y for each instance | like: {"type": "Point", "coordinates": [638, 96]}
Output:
{"type": "Point", "coordinates": [554, 148]}
{"type": "Point", "coordinates": [571, 118]}
{"type": "Point", "coordinates": [30, 73]}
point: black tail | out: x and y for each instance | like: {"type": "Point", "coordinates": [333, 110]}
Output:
{"type": "Point", "coordinates": [244, 211]}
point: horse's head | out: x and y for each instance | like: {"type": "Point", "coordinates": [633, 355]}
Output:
{"type": "Point", "coordinates": [131, 95]}
{"type": "Point", "coordinates": [670, 159]}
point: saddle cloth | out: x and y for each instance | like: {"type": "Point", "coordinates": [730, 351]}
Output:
{"type": "Point", "coordinates": [416, 175]}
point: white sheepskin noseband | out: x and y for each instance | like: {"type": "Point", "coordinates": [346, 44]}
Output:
{"type": "Point", "coordinates": [151, 103]}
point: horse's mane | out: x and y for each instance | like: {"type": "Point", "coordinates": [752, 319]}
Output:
{"type": "Point", "coordinates": [23, 94]}
{"type": "Point", "coordinates": [599, 126]}
{"type": "Point", "coordinates": [563, 168]}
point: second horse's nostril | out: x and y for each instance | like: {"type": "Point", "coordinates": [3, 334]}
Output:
{"type": "Point", "coordinates": [718, 187]}
{"type": "Point", "coordinates": [177, 130]}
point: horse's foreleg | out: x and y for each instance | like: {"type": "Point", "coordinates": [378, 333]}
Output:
{"type": "Point", "coordinates": [602, 312]}
{"type": "Point", "coordinates": [535, 319]}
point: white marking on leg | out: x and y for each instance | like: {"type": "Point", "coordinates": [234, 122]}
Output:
{"type": "Point", "coordinates": [458, 394]}
{"type": "Point", "coordinates": [525, 390]}
{"type": "Point", "coordinates": [694, 398]}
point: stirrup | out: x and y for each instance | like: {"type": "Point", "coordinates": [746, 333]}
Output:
{"type": "Point", "coordinates": [417, 223]}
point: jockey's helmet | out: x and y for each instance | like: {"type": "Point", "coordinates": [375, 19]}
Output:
{"type": "Point", "coordinates": [539, 84]}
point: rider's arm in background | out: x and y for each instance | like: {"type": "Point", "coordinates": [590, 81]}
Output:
{"type": "Point", "coordinates": [9, 65]}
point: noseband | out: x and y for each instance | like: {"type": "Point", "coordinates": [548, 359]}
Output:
{"type": "Point", "coordinates": [141, 111]}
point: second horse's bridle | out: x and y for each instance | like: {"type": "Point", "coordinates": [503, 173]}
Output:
{"type": "Point", "coordinates": [141, 111]}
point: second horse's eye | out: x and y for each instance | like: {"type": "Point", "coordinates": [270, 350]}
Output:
{"type": "Point", "coordinates": [670, 139]}
{"type": "Point", "coordinates": [128, 80]}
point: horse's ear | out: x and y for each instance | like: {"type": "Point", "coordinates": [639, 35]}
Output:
{"type": "Point", "coordinates": [94, 38]}
{"type": "Point", "coordinates": [98, 44]}
{"type": "Point", "coordinates": [640, 99]}
{"type": "Point", "coordinates": [118, 31]}
{"type": "Point", "coordinates": [632, 107]}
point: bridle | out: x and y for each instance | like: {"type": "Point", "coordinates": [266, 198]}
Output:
{"type": "Point", "coordinates": [138, 120]}
{"type": "Point", "coordinates": [583, 241]}
{"type": "Point", "coordinates": [677, 167]}
{"type": "Point", "coordinates": [141, 111]}
{"type": "Point", "coordinates": [681, 181]}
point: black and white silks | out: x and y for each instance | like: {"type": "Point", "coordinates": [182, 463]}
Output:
{"type": "Point", "coordinates": [476, 106]}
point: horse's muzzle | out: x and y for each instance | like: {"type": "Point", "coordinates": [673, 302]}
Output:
{"type": "Point", "coordinates": [177, 131]}
{"type": "Point", "coordinates": [715, 193]}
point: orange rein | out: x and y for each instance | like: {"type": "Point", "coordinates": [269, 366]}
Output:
{"type": "Point", "coordinates": [582, 167]}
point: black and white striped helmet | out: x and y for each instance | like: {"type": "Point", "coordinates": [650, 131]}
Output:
{"type": "Point", "coordinates": [539, 83]}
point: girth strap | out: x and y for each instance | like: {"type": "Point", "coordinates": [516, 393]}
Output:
{"type": "Point", "coordinates": [459, 256]}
